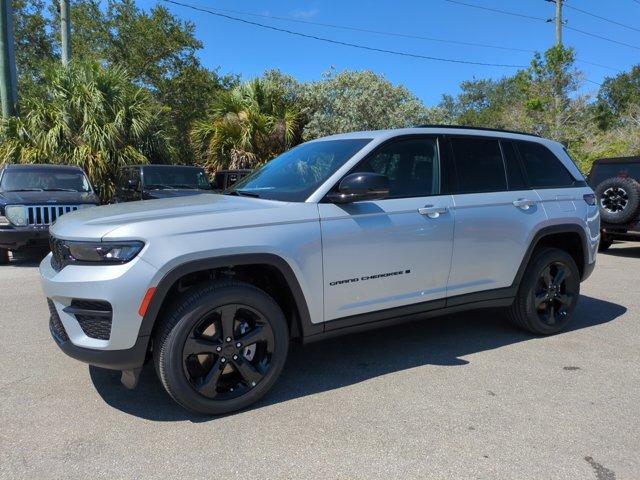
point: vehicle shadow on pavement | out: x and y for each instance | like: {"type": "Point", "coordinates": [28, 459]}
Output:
{"type": "Point", "coordinates": [627, 252]}
{"type": "Point", "coordinates": [29, 258]}
{"type": "Point", "coordinates": [343, 361]}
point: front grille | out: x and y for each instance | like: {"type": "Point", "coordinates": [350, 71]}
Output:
{"type": "Point", "coordinates": [47, 214]}
{"type": "Point", "coordinates": [93, 316]}
{"type": "Point", "coordinates": [55, 325]}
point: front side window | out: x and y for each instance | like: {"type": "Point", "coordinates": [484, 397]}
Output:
{"type": "Point", "coordinates": [543, 169]}
{"type": "Point", "coordinates": [412, 167]}
{"type": "Point", "coordinates": [297, 173]}
{"type": "Point", "coordinates": [479, 165]}
{"type": "Point", "coordinates": [44, 179]}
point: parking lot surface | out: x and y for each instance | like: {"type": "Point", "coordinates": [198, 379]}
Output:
{"type": "Point", "coordinates": [460, 397]}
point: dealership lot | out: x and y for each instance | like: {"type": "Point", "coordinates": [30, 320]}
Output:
{"type": "Point", "coordinates": [465, 396]}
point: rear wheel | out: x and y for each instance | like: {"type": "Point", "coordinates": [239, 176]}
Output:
{"type": "Point", "coordinates": [618, 199]}
{"type": "Point", "coordinates": [548, 293]}
{"type": "Point", "coordinates": [4, 256]}
{"type": "Point", "coordinates": [221, 347]}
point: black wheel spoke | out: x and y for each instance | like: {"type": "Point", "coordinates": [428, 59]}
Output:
{"type": "Point", "coordinates": [546, 276]}
{"type": "Point", "coordinates": [196, 345]}
{"type": "Point", "coordinates": [565, 299]}
{"type": "Point", "coordinates": [258, 334]}
{"type": "Point", "coordinates": [227, 320]}
{"type": "Point", "coordinates": [209, 382]}
{"type": "Point", "coordinates": [540, 299]}
{"type": "Point", "coordinates": [551, 314]}
{"type": "Point", "coordinates": [560, 276]}
{"type": "Point", "coordinates": [250, 374]}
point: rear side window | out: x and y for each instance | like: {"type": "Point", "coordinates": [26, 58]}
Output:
{"type": "Point", "coordinates": [542, 167]}
{"type": "Point", "coordinates": [479, 165]}
{"type": "Point", "coordinates": [515, 176]}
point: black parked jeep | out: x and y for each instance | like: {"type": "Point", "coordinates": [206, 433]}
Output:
{"type": "Point", "coordinates": [616, 184]}
{"type": "Point", "coordinates": [145, 182]}
{"type": "Point", "coordinates": [32, 197]}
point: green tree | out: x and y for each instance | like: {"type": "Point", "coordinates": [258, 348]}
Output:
{"type": "Point", "coordinates": [91, 116]}
{"type": "Point", "coordinates": [617, 96]}
{"type": "Point", "coordinates": [247, 126]}
{"type": "Point", "coordinates": [349, 100]}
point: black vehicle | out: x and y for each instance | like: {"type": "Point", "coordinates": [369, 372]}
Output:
{"type": "Point", "coordinates": [146, 182]}
{"type": "Point", "coordinates": [616, 182]}
{"type": "Point", "coordinates": [32, 197]}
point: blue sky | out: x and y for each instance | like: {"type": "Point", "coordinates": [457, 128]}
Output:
{"type": "Point", "coordinates": [249, 50]}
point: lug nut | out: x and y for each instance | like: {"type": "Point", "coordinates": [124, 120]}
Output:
{"type": "Point", "coordinates": [235, 357]}
{"type": "Point", "coordinates": [238, 345]}
{"type": "Point", "coordinates": [228, 339]}
{"type": "Point", "coordinates": [222, 360]}
{"type": "Point", "coordinates": [218, 349]}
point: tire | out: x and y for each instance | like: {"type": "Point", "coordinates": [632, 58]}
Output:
{"type": "Point", "coordinates": [527, 310]}
{"type": "Point", "coordinates": [604, 245]}
{"type": "Point", "coordinates": [4, 256]}
{"type": "Point", "coordinates": [618, 200]}
{"type": "Point", "coordinates": [203, 371]}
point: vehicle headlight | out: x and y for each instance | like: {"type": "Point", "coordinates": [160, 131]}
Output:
{"type": "Point", "coordinates": [16, 214]}
{"type": "Point", "coordinates": [102, 252]}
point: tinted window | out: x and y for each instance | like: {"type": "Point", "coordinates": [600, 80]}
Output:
{"type": "Point", "coordinates": [515, 176]}
{"type": "Point", "coordinates": [543, 169]}
{"type": "Point", "coordinates": [479, 165]}
{"type": "Point", "coordinates": [47, 179]}
{"type": "Point", "coordinates": [175, 177]}
{"type": "Point", "coordinates": [297, 173]}
{"type": "Point", "coordinates": [411, 165]}
{"type": "Point", "coordinates": [602, 171]}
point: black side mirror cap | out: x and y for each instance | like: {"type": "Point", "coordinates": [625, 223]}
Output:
{"type": "Point", "coordinates": [360, 186]}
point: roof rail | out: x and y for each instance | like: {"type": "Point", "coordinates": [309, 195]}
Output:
{"type": "Point", "coordinates": [466, 127]}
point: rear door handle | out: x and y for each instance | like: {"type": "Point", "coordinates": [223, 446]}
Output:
{"type": "Point", "coordinates": [432, 211]}
{"type": "Point", "coordinates": [524, 203]}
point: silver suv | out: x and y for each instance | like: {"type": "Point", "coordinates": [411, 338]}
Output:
{"type": "Point", "coordinates": [337, 235]}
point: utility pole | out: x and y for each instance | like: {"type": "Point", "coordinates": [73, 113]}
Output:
{"type": "Point", "coordinates": [8, 92]}
{"type": "Point", "coordinates": [65, 31]}
{"type": "Point", "coordinates": [558, 23]}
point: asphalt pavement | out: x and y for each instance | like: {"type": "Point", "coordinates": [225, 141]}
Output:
{"type": "Point", "coordinates": [460, 397]}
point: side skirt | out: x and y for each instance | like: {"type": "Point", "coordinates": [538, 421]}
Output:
{"type": "Point", "coordinates": [502, 297]}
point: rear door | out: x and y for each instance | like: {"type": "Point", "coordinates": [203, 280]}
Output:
{"type": "Point", "coordinates": [393, 252]}
{"type": "Point", "coordinates": [495, 215]}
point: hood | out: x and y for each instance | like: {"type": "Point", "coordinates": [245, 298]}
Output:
{"type": "Point", "coordinates": [47, 198]}
{"type": "Point", "coordinates": [174, 192]}
{"type": "Point", "coordinates": [148, 218]}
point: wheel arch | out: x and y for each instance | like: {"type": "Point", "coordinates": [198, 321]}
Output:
{"type": "Point", "coordinates": [569, 237]}
{"type": "Point", "coordinates": [300, 319]}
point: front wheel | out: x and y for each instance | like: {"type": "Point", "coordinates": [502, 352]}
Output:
{"type": "Point", "coordinates": [221, 347]}
{"type": "Point", "coordinates": [548, 293]}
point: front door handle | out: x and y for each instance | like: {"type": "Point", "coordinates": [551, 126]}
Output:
{"type": "Point", "coordinates": [432, 211]}
{"type": "Point", "coordinates": [524, 203]}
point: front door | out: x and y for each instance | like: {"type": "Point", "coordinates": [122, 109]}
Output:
{"type": "Point", "coordinates": [393, 252]}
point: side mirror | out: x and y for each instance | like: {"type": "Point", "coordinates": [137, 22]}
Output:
{"type": "Point", "coordinates": [360, 186]}
{"type": "Point", "coordinates": [132, 184]}
{"type": "Point", "coordinates": [97, 191]}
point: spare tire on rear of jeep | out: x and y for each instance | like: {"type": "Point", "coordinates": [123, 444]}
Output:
{"type": "Point", "coordinates": [618, 199]}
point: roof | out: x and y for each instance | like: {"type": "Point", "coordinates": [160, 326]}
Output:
{"type": "Point", "coordinates": [153, 165]}
{"type": "Point", "coordinates": [36, 166]}
{"type": "Point", "coordinates": [432, 129]}
{"type": "Point", "coordinates": [618, 160]}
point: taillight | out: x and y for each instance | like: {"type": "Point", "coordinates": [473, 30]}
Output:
{"type": "Point", "coordinates": [589, 198]}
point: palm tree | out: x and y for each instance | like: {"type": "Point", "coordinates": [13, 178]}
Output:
{"type": "Point", "coordinates": [89, 116]}
{"type": "Point", "coordinates": [247, 126]}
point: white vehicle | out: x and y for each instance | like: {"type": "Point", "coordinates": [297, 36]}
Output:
{"type": "Point", "coordinates": [343, 233]}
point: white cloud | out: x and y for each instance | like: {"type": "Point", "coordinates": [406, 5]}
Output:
{"type": "Point", "coordinates": [312, 12]}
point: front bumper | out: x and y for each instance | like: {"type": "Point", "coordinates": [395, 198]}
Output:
{"type": "Point", "coordinates": [16, 238]}
{"type": "Point", "coordinates": [122, 286]}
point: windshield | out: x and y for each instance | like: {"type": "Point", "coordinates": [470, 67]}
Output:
{"type": "Point", "coordinates": [176, 177]}
{"type": "Point", "coordinates": [297, 173]}
{"type": "Point", "coordinates": [44, 179]}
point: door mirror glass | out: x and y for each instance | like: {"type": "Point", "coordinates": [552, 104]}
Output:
{"type": "Point", "coordinates": [360, 186]}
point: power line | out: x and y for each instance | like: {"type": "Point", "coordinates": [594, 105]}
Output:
{"type": "Point", "coordinates": [338, 42]}
{"type": "Point", "coordinates": [602, 18]}
{"type": "Point", "coordinates": [367, 30]}
{"type": "Point", "coordinates": [531, 17]}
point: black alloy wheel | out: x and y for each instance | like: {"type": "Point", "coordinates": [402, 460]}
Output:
{"type": "Point", "coordinates": [548, 292]}
{"type": "Point", "coordinates": [614, 199]}
{"type": "Point", "coordinates": [228, 352]}
{"type": "Point", "coordinates": [221, 346]}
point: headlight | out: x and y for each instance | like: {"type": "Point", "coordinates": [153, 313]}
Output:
{"type": "Point", "coordinates": [102, 252]}
{"type": "Point", "coordinates": [16, 214]}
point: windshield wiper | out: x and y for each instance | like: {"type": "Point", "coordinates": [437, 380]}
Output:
{"type": "Point", "coordinates": [60, 190]}
{"type": "Point", "coordinates": [184, 185]}
{"type": "Point", "coordinates": [26, 190]}
{"type": "Point", "coordinates": [243, 193]}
